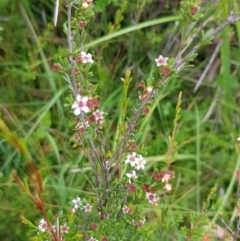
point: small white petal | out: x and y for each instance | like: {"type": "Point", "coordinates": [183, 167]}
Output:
{"type": "Point", "coordinates": [85, 99]}
{"type": "Point", "coordinates": [77, 111]}
{"type": "Point", "coordinates": [78, 97]}
{"type": "Point", "coordinates": [85, 109]}
{"type": "Point", "coordinates": [74, 105]}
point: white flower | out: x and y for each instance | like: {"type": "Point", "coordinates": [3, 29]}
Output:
{"type": "Point", "coordinates": [161, 61]}
{"type": "Point", "coordinates": [88, 208]}
{"type": "Point", "coordinates": [238, 139]}
{"type": "Point", "coordinates": [92, 239]}
{"type": "Point", "coordinates": [151, 197]}
{"type": "Point", "coordinates": [168, 187]}
{"type": "Point", "coordinates": [86, 58]}
{"type": "Point", "coordinates": [132, 159]}
{"type": "Point", "coordinates": [98, 115]}
{"type": "Point", "coordinates": [42, 225]}
{"type": "Point", "coordinates": [126, 209]}
{"type": "Point", "coordinates": [80, 105]}
{"type": "Point", "coordinates": [166, 178]}
{"type": "Point", "coordinates": [149, 89]}
{"type": "Point", "coordinates": [64, 228]}
{"type": "Point", "coordinates": [140, 162]}
{"type": "Point", "coordinates": [85, 5]}
{"type": "Point", "coordinates": [132, 175]}
{"type": "Point", "coordinates": [77, 202]}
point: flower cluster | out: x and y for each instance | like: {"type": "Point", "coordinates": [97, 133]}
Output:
{"type": "Point", "coordinates": [78, 204]}
{"type": "Point", "coordinates": [126, 209]}
{"type": "Point", "coordinates": [162, 61]}
{"type": "Point", "coordinates": [43, 227]}
{"type": "Point", "coordinates": [164, 176]}
{"type": "Point", "coordinates": [136, 160]}
{"type": "Point", "coordinates": [132, 175]}
{"type": "Point", "coordinates": [87, 104]}
{"type": "Point", "coordinates": [86, 58]}
{"type": "Point", "coordinates": [139, 223]}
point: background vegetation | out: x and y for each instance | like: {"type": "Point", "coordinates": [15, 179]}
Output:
{"type": "Point", "coordinates": [32, 102]}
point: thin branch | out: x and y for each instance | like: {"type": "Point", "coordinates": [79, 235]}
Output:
{"type": "Point", "coordinates": [232, 18]}
{"type": "Point", "coordinates": [209, 65]}
{"type": "Point", "coordinates": [90, 142]}
{"type": "Point", "coordinates": [70, 48]}
{"type": "Point", "coordinates": [125, 138]}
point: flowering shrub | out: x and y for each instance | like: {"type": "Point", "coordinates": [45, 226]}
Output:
{"type": "Point", "coordinates": [118, 179]}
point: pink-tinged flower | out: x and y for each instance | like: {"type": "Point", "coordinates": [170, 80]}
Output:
{"type": "Point", "coordinates": [76, 71]}
{"type": "Point", "coordinates": [98, 115]}
{"type": "Point", "coordinates": [132, 145]}
{"type": "Point", "coordinates": [151, 197]}
{"type": "Point", "coordinates": [81, 128]}
{"type": "Point", "coordinates": [93, 226]}
{"type": "Point", "coordinates": [132, 175]}
{"type": "Point", "coordinates": [166, 176]}
{"type": "Point", "coordinates": [145, 187]}
{"type": "Point", "coordinates": [139, 223]}
{"type": "Point", "coordinates": [126, 209]}
{"type": "Point", "coordinates": [100, 122]}
{"type": "Point", "coordinates": [56, 68]}
{"type": "Point", "coordinates": [156, 176]}
{"type": "Point", "coordinates": [104, 239]}
{"type": "Point", "coordinates": [42, 225]}
{"type": "Point", "coordinates": [193, 10]}
{"type": "Point", "coordinates": [76, 137]}
{"type": "Point", "coordinates": [92, 103]}
{"type": "Point", "coordinates": [131, 187]}
{"type": "Point", "coordinates": [73, 210]}
{"type": "Point", "coordinates": [80, 105]}
{"type": "Point", "coordinates": [145, 110]}
{"type": "Point", "coordinates": [86, 58]}
{"type": "Point", "coordinates": [83, 24]}
{"type": "Point", "coordinates": [92, 239]}
{"type": "Point", "coordinates": [77, 202]}
{"type": "Point", "coordinates": [140, 162]}
{"type": "Point", "coordinates": [78, 59]}
{"type": "Point", "coordinates": [88, 208]}
{"type": "Point", "coordinates": [161, 61]}
{"type": "Point", "coordinates": [166, 71]}
{"type": "Point", "coordinates": [141, 84]}
{"type": "Point", "coordinates": [64, 228]}
{"type": "Point", "coordinates": [132, 159]}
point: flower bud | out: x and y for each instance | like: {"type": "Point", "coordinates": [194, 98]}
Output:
{"type": "Point", "coordinates": [193, 10]}
{"type": "Point", "coordinates": [85, 5]}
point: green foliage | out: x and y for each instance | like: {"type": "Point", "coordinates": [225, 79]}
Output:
{"type": "Point", "coordinates": [133, 34]}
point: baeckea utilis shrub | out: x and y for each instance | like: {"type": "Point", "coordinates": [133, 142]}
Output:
{"type": "Point", "coordinates": [121, 191]}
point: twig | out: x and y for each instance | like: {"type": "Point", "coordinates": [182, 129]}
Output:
{"type": "Point", "coordinates": [232, 18]}
{"type": "Point", "coordinates": [70, 48]}
{"type": "Point", "coordinates": [125, 138]}
{"type": "Point", "coordinates": [209, 65]}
